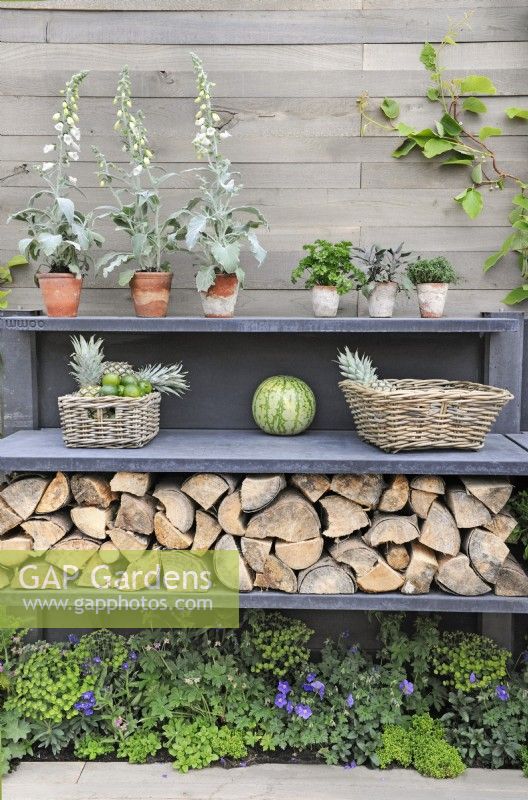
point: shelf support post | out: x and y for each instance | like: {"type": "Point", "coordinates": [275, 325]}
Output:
{"type": "Point", "coordinates": [503, 368]}
{"type": "Point", "coordinates": [498, 627]}
{"type": "Point", "coordinates": [18, 381]}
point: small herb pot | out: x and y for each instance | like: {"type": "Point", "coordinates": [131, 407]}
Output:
{"type": "Point", "coordinates": [382, 298]}
{"type": "Point", "coordinates": [220, 299]}
{"type": "Point", "coordinates": [150, 293]}
{"type": "Point", "coordinates": [325, 301]}
{"type": "Point", "coordinates": [61, 293]}
{"type": "Point", "coordinates": [432, 298]}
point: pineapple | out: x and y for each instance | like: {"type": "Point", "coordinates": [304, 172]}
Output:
{"type": "Point", "coordinates": [165, 379]}
{"type": "Point", "coordinates": [359, 369]}
{"type": "Point", "coordinates": [87, 364]}
{"type": "Point", "coordinates": [118, 367]}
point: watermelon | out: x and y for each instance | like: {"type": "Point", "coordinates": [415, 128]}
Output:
{"type": "Point", "coordinates": [283, 405]}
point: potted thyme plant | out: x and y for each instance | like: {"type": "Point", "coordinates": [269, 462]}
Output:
{"type": "Point", "coordinates": [216, 228]}
{"type": "Point", "coordinates": [432, 278]}
{"type": "Point", "coordinates": [59, 236]}
{"type": "Point", "coordinates": [138, 212]}
{"type": "Point", "coordinates": [330, 274]}
{"type": "Point", "coordinates": [383, 279]}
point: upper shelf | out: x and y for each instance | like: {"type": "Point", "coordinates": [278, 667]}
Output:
{"type": "Point", "coordinates": [486, 324]}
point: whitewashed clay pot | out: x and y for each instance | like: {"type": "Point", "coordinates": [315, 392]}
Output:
{"type": "Point", "coordinates": [220, 299]}
{"type": "Point", "coordinates": [325, 301]}
{"type": "Point", "coordinates": [432, 298]}
{"type": "Point", "coordinates": [382, 298]}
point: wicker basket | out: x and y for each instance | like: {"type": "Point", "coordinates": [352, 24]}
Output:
{"type": "Point", "coordinates": [109, 421]}
{"type": "Point", "coordinates": [418, 414]}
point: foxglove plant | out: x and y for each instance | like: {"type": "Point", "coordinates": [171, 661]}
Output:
{"type": "Point", "coordinates": [215, 226]}
{"type": "Point", "coordinates": [135, 187]}
{"type": "Point", "coordinates": [59, 235]}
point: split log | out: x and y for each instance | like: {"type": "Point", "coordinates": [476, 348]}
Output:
{"type": "Point", "coordinates": [365, 490]}
{"type": "Point", "coordinates": [168, 534]}
{"type": "Point", "coordinates": [92, 521]}
{"type": "Point", "coordinates": [255, 551]}
{"type": "Point", "coordinates": [502, 525]}
{"type": "Point", "coordinates": [8, 519]}
{"type": "Point", "coordinates": [109, 553]}
{"type": "Point", "coordinates": [512, 580]}
{"type": "Point", "coordinates": [24, 495]}
{"type": "Point", "coordinates": [76, 540]}
{"type": "Point", "coordinates": [439, 531]}
{"type": "Point", "coordinates": [433, 484]}
{"type": "Point", "coordinates": [341, 517]}
{"type": "Point", "coordinates": [242, 582]}
{"type": "Point", "coordinates": [176, 504]}
{"type": "Point", "coordinates": [421, 502]}
{"type": "Point", "coordinates": [312, 486]}
{"type": "Point", "coordinates": [207, 531]}
{"type": "Point", "coordinates": [137, 483]}
{"type": "Point", "coordinates": [92, 490]}
{"type": "Point", "coordinates": [466, 509]}
{"type": "Point", "coordinates": [290, 517]}
{"type": "Point", "coordinates": [130, 544]}
{"type": "Point", "coordinates": [136, 514]}
{"type": "Point", "coordinates": [456, 576]}
{"type": "Point", "coordinates": [14, 549]}
{"type": "Point", "coordinates": [326, 577]}
{"type": "Point", "coordinates": [205, 488]}
{"type": "Point", "coordinates": [356, 554]}
{"type": "Point", "coordinates": [299, 555]}
{"type": "Point", "coordinates": [392, 528]}
{"type": "Point", "coordinates": [47, 530]}
{"type": "Point", "coordinates": [258, 491]}
{"type": "Point", "coordinates": [396, 496]}
{"type": "Point", "coordinates": [397, 556]}
{"type": "Point", "coordinates": [486, 552]}
{"type": "Point", "coordinates": [231, 480]}
{"type": "Point", "coordinates": [381, 578]}
{"type": "Point", "coordinates": [493, 492]}
{"type": "Point", "coordinates": [422, 568]}
{"type": "Point", "coordinates": [56, 496]}
{"type": "Point", "coordinates": [276, 575]}
{"type": "Point", "coordinates": [83, 547]}
{"type": "Point", "coordinates": [230, 515]}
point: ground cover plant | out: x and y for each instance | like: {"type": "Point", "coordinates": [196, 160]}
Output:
{"type": "Point", "coordinates": [438, 702]}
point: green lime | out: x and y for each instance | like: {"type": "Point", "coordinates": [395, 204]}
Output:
{"type": "Point", "coordinates": [129, 379]}
{"type": "Point", "coordinates": [111, 379]}
{"type": "Point", "coordinates": [131, 390]}
{"type": "Point", "coordinates": [145, 387]}
{"type": "Point", "coordinates": [108, 391]}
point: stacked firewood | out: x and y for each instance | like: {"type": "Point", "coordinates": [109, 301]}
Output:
{"type": "Point", "coordinates": [298, 533]}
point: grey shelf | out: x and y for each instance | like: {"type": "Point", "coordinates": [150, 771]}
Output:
{"type": "Point", "coordinates": [253, 451]}
{"type": "Point", "coordinates": [498, 323]}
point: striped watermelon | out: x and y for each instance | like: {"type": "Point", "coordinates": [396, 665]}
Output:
{"type": "Point", "coordinates": [283, 405]}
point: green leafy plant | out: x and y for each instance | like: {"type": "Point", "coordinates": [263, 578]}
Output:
{"type": "Point", "coordinates": [423, 745]}
{"type": "Point", "coordinates": [329, 264]}
{"type": "Point", "coordinates": [432, 270]}
{"type": "Point", "coordinates": [519, 506]}
{"type": "Point", "coordinates": [195, 745]}
{"type": "Point", "coordinates": [452, 141]}
{"type": "Point", "coordinates": [15, 738]}
{"type": "Point", "coordinates": [136, 190]}
{"type": "Point", "coordinates": [6, 277]}
{"type": "Point", "coordinates": [469, 662]}
{"type": "Point", "coordinates": [383, 265]}
{"type": "Point", "coordinates": [524, 761]}
{"type": "Point", "coordinates": [139, 746]}
{"type": "Point", "coordinates": [216, 227]}
{"type": "Point", "coordinates": [275, 644]}
{"type": "Point", "coordinates": [59, 235]}
{"type": "Point", "coordinates": [90, 746]}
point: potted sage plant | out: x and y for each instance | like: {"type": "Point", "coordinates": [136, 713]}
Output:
{"type": "Point", "coordinates": [59, 236]}
{"type": "Point", "coordinates": [137, 212]}
{"type": "Point", "coordinates": [330, 274]}
{"type": "Point", "coordinates": [216, 228]}
{"type": "Point", "coordinates": [432, 278]}
{"type": "Point", "coordinates": [384, 277]}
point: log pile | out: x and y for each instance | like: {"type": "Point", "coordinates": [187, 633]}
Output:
{"type": "Point", "coordinates": [296, 533]}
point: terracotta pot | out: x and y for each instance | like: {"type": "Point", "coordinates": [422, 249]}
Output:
{"type": "Point", "coordinates": [432, 298]}
{"type": "Point", "coordinates": [61, 292]}
{"type": "Point", "coordinates": [150, 293]}
{"type": "Point", "coordinates": [382, 298]}
{"type": "Point", "coordinates": [220, 299]}
{"type": "Point", "coordinates": [325, 301]}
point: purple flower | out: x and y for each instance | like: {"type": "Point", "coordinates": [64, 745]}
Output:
{"type": "Point", "coordinates": [345, 634]}
{"type": "Point", "coordinates": [280, 700]}
{"type": "Point", "coordinates": [243, 764]}
{"type": "Point", "coordinates": [222, 761]}
{"type": "Point", "coordinates": [73, 639]}
{"type": "Point", "coordinates": [406, 687]}
{"type": "Point", "coordinates": [85, 667]}
{"type": "Point", "coordinates": [133, 655]}
{"type": "Point", "coordinates": [86, 704]}
{"type": "Point", "coordinates": [302, 711]}
{"type": "Point", "coordinates": [120, 723]}
{"type": "Point", "coordinates": [125, 665]}
{"type": "Point", "coordinates": [289, 707]}
{"type": "Point", "coordinates": [351, 765]}
{"type": "Point", "coordinates": [502, 693]}
{"type": "Point", "coordinates": [354, 649]}
{"type": "Point", "coordinates": [88, 696]}
{"type": "Point", "coordinates": [283, 687]}
{"type": "Point", "coordinates": [319, 688]}
{"type": "Point", "coordinates": [311, 677]}
{"type": "Point", "coordinates": [350, 700]}
{"type": "Point", "coordinates": [96, 660]}
{"type": "Point", "coordinates": [472, 678]}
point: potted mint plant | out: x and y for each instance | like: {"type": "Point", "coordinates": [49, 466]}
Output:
{"type": "Point", "coordinates": [432, 278]}
{"type": "Point", "coordinates": [330, 274]}
{"type": "Point", "coordinates": [216, 228]}
{"type": "Point", "coordinates": [59, 236]}
{"type": "Point", "coordinates": [137, 212]}
{"type": "Point", "coordinates": [384, 277]}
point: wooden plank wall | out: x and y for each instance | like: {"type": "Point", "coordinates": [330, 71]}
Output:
{"type": "Point", "coordinates": [288, 73]}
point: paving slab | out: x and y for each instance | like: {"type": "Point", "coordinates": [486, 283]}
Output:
{"type": "Point", "coordinates": [119, 781]}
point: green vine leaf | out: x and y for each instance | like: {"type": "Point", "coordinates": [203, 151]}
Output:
{"type": "Point", "coordinates": [429, 58]}
{"type": "Point", "coordinates": [404, 148]}
{"type": "Point", "coordinates": [390, 108]}
{"type": "Point", "coordinates": [466, 161]}
{"type": "Point", "coordinates": [487, 131]}
{"type": "Point", "coordinates": [477, 84]}
{"type": "Point", "coordinates": [471, 201]}
{"type": "Point", "coordinates": [517, 113]}
{"type": "Point", "coordinates": [476, 174]}
{"type": "Point", "coordinates": [404, 129]}
{"type": "Point", "coordinates": [516, 295]}
{"type": "Point", "coordinates": [474, 105]}
{"type": "Point", "coordinates": [450, 125]}
{"type": "Point", "coordinates": [435, 147]}
{"type": "Point", "coordinates": [433, 94]}
{"type": "Point", "coordinates": [520, 200]}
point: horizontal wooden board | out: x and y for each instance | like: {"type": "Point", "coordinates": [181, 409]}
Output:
{"type": "Point", "coordinates": [463, 5]}
{"type": "Point", "coordinates": [465, 57]}
{"type": "Point", "coordinates": [442, 239]}
{"type": "Point", "coordinates": [188, 5]}
{"type": "Point", "coordinates": [418, 175]}
{"type": "Point", "coordinates": [258, 27]}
